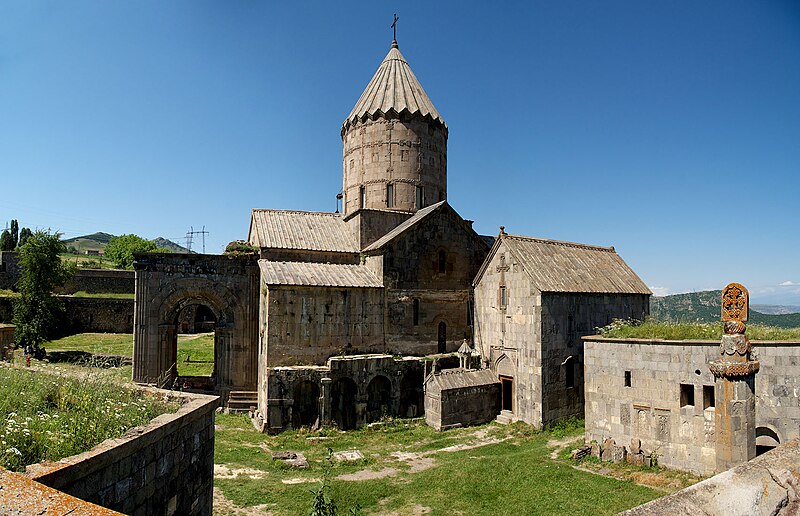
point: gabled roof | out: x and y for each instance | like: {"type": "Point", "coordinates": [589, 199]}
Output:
{"type": "Point", "coordinates": [461, 379]}
{"type": "Point", "coordinates": [317, 274]}
{"type": "Point", "coordinates": [393, 89]}
{"type": "Point", "coordinates": [403, 227]}
{"type": "Point", "coordinates": [313, 231]}
{"type": "Point", "coordinates": [556, 266]}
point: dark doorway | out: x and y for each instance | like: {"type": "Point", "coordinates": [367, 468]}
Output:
{"type": "Point", "coordinates": [195, 340]}
{"type": "Point", "coordinates": [379, 392]}
{"type": "Point", "coordinates": [507, 402]}
{"type": "Point", "coordinates": [442, 337]}
{"type": "Point", "coordinates": [306, 404]}
{"type": "Point", "coordinates": [412, 401]}
{"type": "Point", "coordinates": [343, 403]}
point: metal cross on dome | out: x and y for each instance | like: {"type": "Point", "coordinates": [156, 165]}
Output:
{"type": "Point", "coordinates": [394, 27]}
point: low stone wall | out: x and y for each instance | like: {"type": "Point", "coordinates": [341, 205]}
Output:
{"type": "Point", "coordinates": [165, 467]}
{"type": "Point", "coordinates": [85, 315]}
{"type": "Point", "coordinates": [100, 281]}
{"type": "Point", "coordinates": [6, 339]}
{"type": "Point", "coordinates": [768, 484]}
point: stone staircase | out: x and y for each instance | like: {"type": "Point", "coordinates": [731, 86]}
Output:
{"type": "Point", "coordinates": [505, 417]}
{"type": "Point", "coordinates": [241, 401]}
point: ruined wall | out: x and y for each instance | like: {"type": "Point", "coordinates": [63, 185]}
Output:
{"type": "Point", "coordinates": [9, 270]}
{"type": "Point", "coordinates": [455, 407]}
{"type": "Point", "coordinates": [412, 270]}
{"type": "Point", "coordinates": [565, 319]}
{"type": "Point", "coordinates": [653, 410]}
{"type": "Point", "coordinates": [509, 337]}
{"type": "Point", "coordinates": [308, 325]}
{"type": "Point", "coordinates": [404, 151]}
{"type": "Point", "coordinates": [6, 339]}
{"type": "Point", "coordinates": [96, 315]}
{"type": "Point", "coordinates": [99, 281]}
{"type": "Point", "coordinates": [165, 467]}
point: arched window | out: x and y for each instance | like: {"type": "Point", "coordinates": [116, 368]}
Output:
{"type": "Point", "coordinates": [569, 372]}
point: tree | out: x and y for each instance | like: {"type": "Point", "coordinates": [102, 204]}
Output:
{"type": "Point", "coordinates": [36, 311]}
{"type": "Point", "coordinates": [6, 241]}
{"type": "Point", "coordinates": [24, 235]}
{"type": "Point", "coordinates": [15, 232]}
{"type": "Point", "coordinates": [120, 249]}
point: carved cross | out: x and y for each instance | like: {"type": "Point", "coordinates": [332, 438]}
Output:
{"type": "Point", "coordinates": [394, 27]}
{"type": "Point", "coordinates": [503, 266]}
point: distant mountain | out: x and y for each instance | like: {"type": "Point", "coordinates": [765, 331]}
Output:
{"type": "Point", "coordinates": [94, 242]}
{"type": "Point", "coordinates": [706, 306]}
{"type": "Point", "coordinates": [776, 309]}
{"type": "Point", "coordinates": [163, 243]}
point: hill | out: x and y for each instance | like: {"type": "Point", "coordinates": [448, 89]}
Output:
{"type": "Point", "coordinates": [94, 242]}
{"type": "Point", "coordinates": [706, 307]}
{"type": "Point", "coordinates": [163, 243]}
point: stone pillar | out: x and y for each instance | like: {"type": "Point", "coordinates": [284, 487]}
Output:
{"type": "Point", "coordinates": [325, 401]}
{"type": "Point", "coordinates": [734, 389]}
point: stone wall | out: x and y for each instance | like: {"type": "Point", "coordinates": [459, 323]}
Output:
{"type": "Point", "coordinates": [664, 376]}
{"type": "Point", "coordinates": [308, 325]}
{"type": "Point", "coordinates": [369, 225]}
{"type": "Point", "coordinates": [9, 270]}
{"type": "Point", "coordinates": [165, 467]}
{"type": "Point", "coordinates": [447, 408]}
{"type": "Point", "coordinates": [6, 339]}
{"type": "Point", "coordinates": [100, 281]}
{"type": "Point", "coordinates": [306, 255]}
{"type": "Point", "coordinates": [85, 315]}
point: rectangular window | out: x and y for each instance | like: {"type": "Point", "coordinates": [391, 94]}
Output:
{"type": "Point", "coordinates": [420, 197]}
{"type": "Point", "coordinates": [362, 197]}
{"type": "Point", "coordinates": [708, 396]}
{"type": "Point", "coordinates": [627, 378]}
{"type": "Point", "coordinates": [503, 296]}
{"type": "Point", "coordinates": [687, 395]}
{"type": "Point", "coordinates": [390, 195]}
{"type": "Point", "coordinates": [403, 155]}
{"type": "Point", "coordinates": [415, 312]}
{"type": "Point", "coordinates": [569, 374]}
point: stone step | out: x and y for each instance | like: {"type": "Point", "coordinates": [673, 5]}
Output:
{"type": "Point", "coordinates": [241, 401]}
{"type": "Point", "coordinates": [504, 417]}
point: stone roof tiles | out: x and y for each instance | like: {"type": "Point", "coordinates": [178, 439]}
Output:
{"type": "Point", "coordinates": [461, 379]}
{"type": "Point", "coordinates": [556, 266]}
{"type": "Point", "coordinates": [393, 89]}
{"type": "Point", "coordinates": [318, 274]}
{"type": "Point", "coordinates": [313, 231]}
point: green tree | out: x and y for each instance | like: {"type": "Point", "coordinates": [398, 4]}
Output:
{"type": "Point", "coordinates": [24, 235]}
{"type": "Point", "coordinates": [36, 311]}
{"type": "Point", "coordinates": [6, 241]}
{"type": "Point", "coordinates": [120, 249]}
{"type": "Point", "coordinates": [15, 232]}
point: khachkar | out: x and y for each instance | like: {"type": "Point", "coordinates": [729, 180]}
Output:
{"type": "Point", "coordinates": [735, 379]}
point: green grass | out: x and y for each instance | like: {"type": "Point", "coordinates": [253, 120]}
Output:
{"type": "Point", "coordinates": [690, 331]}
{"type": "Point", "coordinates": [515, 476]}
{"type": "Point", "coordinates": [46, 416]}
{"type": "Point", "coordinates": [200, 350]}
{"type": "Point", "coordinates": [81, 293]}
{"type": "Point", "coordinates": [8, 293]}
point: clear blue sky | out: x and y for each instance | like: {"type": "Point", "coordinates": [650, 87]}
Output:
{"type": "Point", "coordinates": [670, 130]}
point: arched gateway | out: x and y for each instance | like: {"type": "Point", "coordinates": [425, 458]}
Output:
{"type": "Point", "coordinates": [226, 286]}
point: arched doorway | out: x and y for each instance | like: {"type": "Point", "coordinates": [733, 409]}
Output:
{"type": "Point", "coordinates": [379, 394]}
{"type": "Point", "coordinates": [442, 337]}
{"type": "Point", "coordinates": [412, 401]}
{"type": "Point", "coordinates": [766, 439]}
{"type": "Point", "coordinates": [195, 355]}
{"type": "Point", "coordinates": [305, 409]}
{"type": "Point", "coordinates": [343, 403]}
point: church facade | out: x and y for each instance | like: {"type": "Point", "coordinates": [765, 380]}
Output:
{"type": "Point", "coordinates": [336, 317]}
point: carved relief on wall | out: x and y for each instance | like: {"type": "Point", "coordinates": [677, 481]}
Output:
{"type": "Point", "coordinates": [735, 303]}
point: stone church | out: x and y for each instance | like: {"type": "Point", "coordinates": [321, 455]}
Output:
{"type": "Point", "coordinates": [337, 316]}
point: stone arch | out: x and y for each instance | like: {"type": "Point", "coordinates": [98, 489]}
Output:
{"type": "Point", "coordinates": [412, 395]}
{"type": "Point", "coordinates": [767, 438]}
{"type": "Point", "coordinates": [379, 398]}
{"type": "Point", "coordinates": [305, 406]}
{"type": "Point", "coordinates": [504, 366]}
{"type": "Point", "coordinates": [344, 393]}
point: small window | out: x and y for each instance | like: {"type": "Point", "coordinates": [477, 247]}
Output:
{"type": "Point", "coordinates": [503, 296]}
{"type": "Point", "coordinates": [390, 195]}
{"type": "Point", "coordinates": [442, 262]}
{"type": "Point", "coordinates": [569, 373]}
{"type": "Point", "coordinates": [415, 312]}
{"type": "Point", "coordinates": [376, 156]}
{"type": "Point", "coordinates": [420, 197]}
{"type": "Point", "coordinates": [352, 165]}
{"type": "Point", "coordinates": [403, 155]}
{"type": "Point", "coordinates": [687, 395]}
{"type": "Point", "coordinates": [363, 197]}
{"type": "Point", "coordinates": [708, 396]}
{"type": "Point", "coordinates": [627, 378]}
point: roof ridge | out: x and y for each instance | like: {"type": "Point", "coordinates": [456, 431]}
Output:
{"type": "Point", "coordinates": [562, 243]}
{"type": "Point", "coordinates": [331, 213]}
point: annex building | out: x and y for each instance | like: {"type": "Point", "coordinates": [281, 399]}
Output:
{"type": "Point", "coordinates": [343, 318]}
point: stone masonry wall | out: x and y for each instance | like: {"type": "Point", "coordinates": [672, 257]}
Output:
{"type": "Point", "coordinates": [163, 468]}
{"type": "Point", "coordinates": [308, 325]}
{"type": "Point", "coordinates": [652, 408]}
{"type": "Point", "coordinates": [9, 270]}
{"type": "Point", "coordinates": [100, 281]}
{"type": "Point", "coordinates": [86, 315]}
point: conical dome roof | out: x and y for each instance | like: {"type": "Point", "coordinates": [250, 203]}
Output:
{"type": "Point", "coordinates": [393, 88]}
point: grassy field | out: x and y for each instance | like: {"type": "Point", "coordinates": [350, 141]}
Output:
{"type": "Point", "coordinates": [81, 293]}
{"type": "Point", "coordinates": [195, 352]}
{"type": "Point", "coordinates": [490, 469]}
{"type": "Point", "coordinates": [51, 414]}
{"type": "Point", "coordinates": [691, 331]}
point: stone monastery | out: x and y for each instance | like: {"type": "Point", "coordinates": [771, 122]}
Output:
{"type": "Point", "coordinates": [395, 306]}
